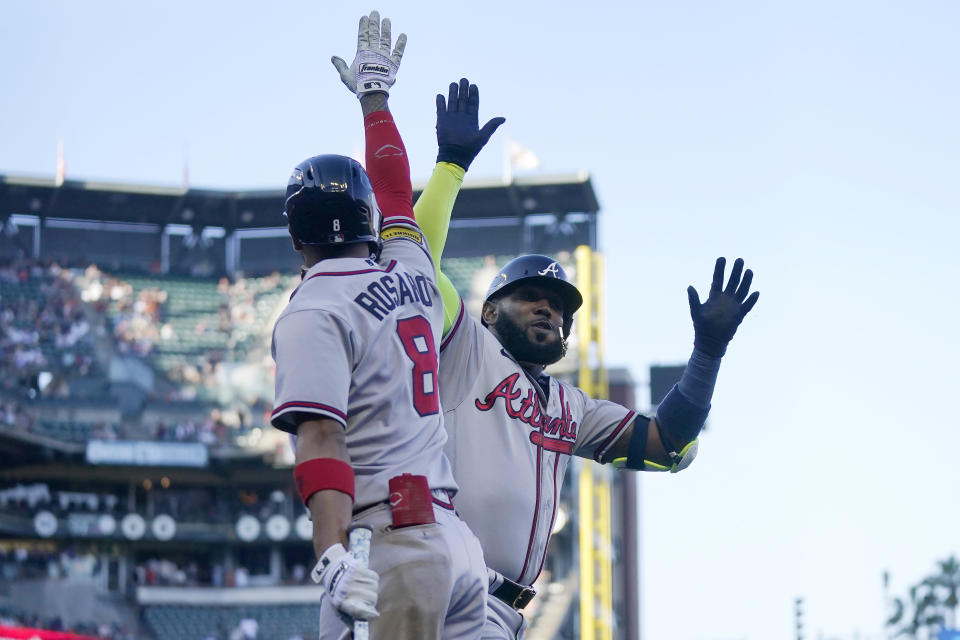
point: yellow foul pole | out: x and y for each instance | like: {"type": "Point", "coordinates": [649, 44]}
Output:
{"type": "Point", "coordinates": [596, 581]}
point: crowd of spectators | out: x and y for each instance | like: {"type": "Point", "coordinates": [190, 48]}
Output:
{"type": "Point", "coordinates": [102, 630]}
{"type": "Point", "coordinates": [242, 324]}
{"type": "Point", "coordinates": [45, 333]}
{"type": "Point", "coordinates": [196, 377]}
{"type": "Point", "coordinates": [213, 430]}
{"type": "Point", "coordinates": [223, 506]}
{"type": "Point", "coordinates": [102, 430]}
{"type": "Point", "coordinates": [218, 429]}
{"type": "Point", "coordinates": [138, 322]}
{"type": "Point", "coordinates": [47, 563]}
{"type": "Point", "coordinates": [48, 304]}
{"type": "Point", "coordinates": [14, 414]}
{"type": "Point", "coordinates": [54, 318]}
{"type": "Point", "coordinates": [167, 573]}
{"type": "Point", "coordinates": [137, 316]}
{"type": "Point", "coordinates": [27, 500]}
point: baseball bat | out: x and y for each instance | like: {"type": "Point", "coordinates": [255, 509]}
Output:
{"type": "Point", "coordinates": [359, 536]}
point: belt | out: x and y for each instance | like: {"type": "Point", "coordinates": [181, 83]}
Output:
{"type": "Point", "coordinates": [515, 595]}
{"type": "Point", "coordinates": [441, 498]}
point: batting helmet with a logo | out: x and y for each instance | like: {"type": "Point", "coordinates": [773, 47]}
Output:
{"type": "Point", "coordinates": [329, 201]}
{"type": "Point", "coordinates": [543, 271]}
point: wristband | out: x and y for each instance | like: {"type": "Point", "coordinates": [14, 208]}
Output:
{"type": "Point", "coordinates": [456, 154]}
{"type": "Point", "coordinates": [321, 474]}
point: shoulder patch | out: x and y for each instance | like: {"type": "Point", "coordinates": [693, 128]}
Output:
{"type": "Point", "coordinates": [402, 232]}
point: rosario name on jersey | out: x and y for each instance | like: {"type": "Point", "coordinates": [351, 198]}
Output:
{"type": "Point", "coordinates": [510, 446]}
{"type": "Point", "coordinates": [357, 344]}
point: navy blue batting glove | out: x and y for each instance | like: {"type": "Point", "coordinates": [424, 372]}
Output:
{"type": "Point", "coordinates": [459, 135]}
{"type": "Point", "coordinates": [716, 320]}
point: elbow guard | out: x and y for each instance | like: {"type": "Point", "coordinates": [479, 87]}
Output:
{"type": "Point", "coordinates": [679, 422]}
{"type": "Point", "coordinates": [637, 448]}
{"type": "Point", "coordinates": [681, 460]}
{"type": "Point", "coordinates": [636, 454]}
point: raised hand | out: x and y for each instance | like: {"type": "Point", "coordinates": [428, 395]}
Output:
{"type": "Point", "coordinates": [459, 135]}
{"type": "Point", "coordinates": [374, 67]}
{"type": "Point", "coordinates": [716, 320]}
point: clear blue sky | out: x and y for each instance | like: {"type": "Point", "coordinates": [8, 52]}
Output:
{"type": "Point", "coordinates": [818, 140]}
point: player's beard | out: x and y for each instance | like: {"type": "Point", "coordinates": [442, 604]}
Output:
{"type": "Point", "coordinates": [515, 340]}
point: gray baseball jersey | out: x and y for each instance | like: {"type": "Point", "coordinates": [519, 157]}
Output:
{"type": "Point", "coordinates": [510, 446]}
{"type": "Point", "coordinates": [357, 343]}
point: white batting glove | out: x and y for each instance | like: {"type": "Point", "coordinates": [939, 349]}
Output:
{"type": "Point", "coordinates": [352, 588]}
{"type": "Point", "coordinates": [374, 68]}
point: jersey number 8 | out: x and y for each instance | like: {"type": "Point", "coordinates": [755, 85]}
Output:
{"type": "Point", "coordinates": [417, 339]}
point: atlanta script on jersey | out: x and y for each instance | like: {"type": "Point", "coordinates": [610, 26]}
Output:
{"type": "Point", "coordinates": [510, 446]}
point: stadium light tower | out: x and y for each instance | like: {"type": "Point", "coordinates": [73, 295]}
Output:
{"type": "Point", "coordinates": [798, 617]}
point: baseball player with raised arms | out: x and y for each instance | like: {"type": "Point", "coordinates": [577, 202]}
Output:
{"type": "Point", "coordinates": [499, 405]}
{"type": "Point", "coordinates": [356, 382]}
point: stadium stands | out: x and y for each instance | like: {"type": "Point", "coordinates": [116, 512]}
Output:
{"type": "Point", "coordinates": [129, 351]}
{"type": "Point", "coordinates": [63, 328]}
{"type": "Point", "coordinates": [46, 336]}
{"type": "Point", "coordinates": [469, 273]}
{"type": "Point", "coordinates": [65, 430]}
{"type": "Point", "coordinates": [15, 620]}
{"type": "Point", "coordinates": [187, 327]}
{"type": "Point", "coordinates": [279, 622]}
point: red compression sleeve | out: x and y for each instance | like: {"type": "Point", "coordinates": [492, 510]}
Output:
{"type": "Point", "coordinates": [388, 166]}
{"type": "Point", "coordinates": [320, 474]}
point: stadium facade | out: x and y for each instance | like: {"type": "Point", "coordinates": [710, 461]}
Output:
{"type": "Point", "coordinates": [142, 492]}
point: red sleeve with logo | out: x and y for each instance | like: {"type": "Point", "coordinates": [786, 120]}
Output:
{"type": "Point", "coordinates": [388, 166]}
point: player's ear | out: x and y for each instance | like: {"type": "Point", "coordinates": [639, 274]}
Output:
{"type": "Point", "coordinates": [297, 245]}
{"type": "Point", "coordinates": [489, 312]}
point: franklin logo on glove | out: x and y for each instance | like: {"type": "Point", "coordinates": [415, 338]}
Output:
{"type": "Point", "coordinates": [368, 67]}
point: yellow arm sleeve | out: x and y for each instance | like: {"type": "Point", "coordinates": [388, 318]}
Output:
{"type": "Point", "coordinates": [433, 211]}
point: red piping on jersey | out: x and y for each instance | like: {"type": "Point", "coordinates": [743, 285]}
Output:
{"type": "Point", "coordinates": [556, 463]}
{"type": "Point", "coordinates": [398, 220]}
{"type": "Point", "coordinates": [308, 405]}
{"type": "Point", "coordinates": [453, 330]}
{"type": "Point", "coordinates": [553, 518]}
{"type": "Point", "coordinates": [536, 509]}
{"type": "Point", "coordinates": [440, 503]}
{"type": "Point", "coordinates": [551, 444]}
{"type": "Point", "coordinates": [613, 436]}
{"type": "Point", "coordinates": [386, 269]}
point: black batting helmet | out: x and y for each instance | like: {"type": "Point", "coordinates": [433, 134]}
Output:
{"type": "Point", "coordinates": [330, 201]}
{"type": "Point", "coordinates": [543, 271]}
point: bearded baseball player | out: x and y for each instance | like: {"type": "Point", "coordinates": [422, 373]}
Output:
{"type": "Point", "coordinates": [500, 405]}
{"type": "Point", "coordinates": [356, 382]}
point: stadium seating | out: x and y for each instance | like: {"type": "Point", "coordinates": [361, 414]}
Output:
{"type": "Point", "coordinates": [41, 292]}
{"type": "Point", "coordinates": [461, 271]}
{"type": "Point", "coordinates": [175, 622]}
{"type": "Point", "coordinates": [64, 430]}
{"type": "Point", "coordinates": [193, 312]}
{"type": "Point", "coordinates": [205, 326]}
{"type": "Point", "coordinates": [199, 322]}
